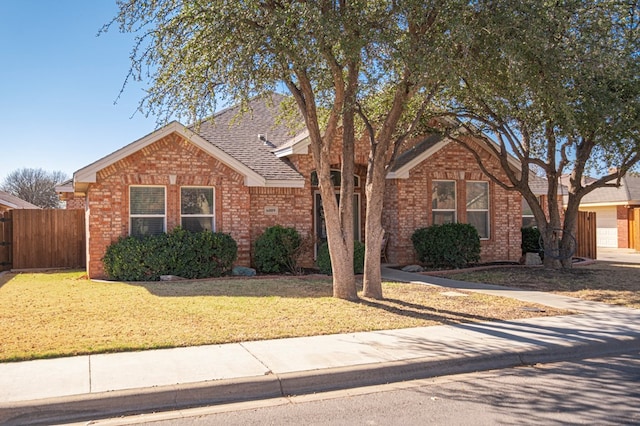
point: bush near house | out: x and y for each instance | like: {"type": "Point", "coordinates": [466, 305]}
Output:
{"type": "Point", "coordinates": [451, 245]}
{"type": "Point", "coordinates": [276, 250]}
{"type": "Point", "coordinates": [531, 241]}
{"type": "Point", "coordinates": [179, 252]}
{"type": "Point", "coordinates": [324, 260]}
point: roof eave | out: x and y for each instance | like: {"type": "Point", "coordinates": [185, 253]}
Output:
{"type": "Point", "coordinates": [87, 175]}
{"type": "Point", "coordinates": [8, 204]}
{"type": "Point", "coordinates": [298, 145]}
{"type": "Point", "coordinates": [403, 172]}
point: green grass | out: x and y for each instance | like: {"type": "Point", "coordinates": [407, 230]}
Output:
{"type": "Point", "coordinates": [62, 313]}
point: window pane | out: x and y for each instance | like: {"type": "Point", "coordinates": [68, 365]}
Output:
{"type": "Point", "coordinates": [480, 221]}
{"type": "Point", "coordinates": [440, 218]}
{"type": "Point", "coordinates": [477, 195]}
{"type": "Point", "coordinates": [526, 209]}
{"type": "Point", "coordinates": [147, 200]}
{"type": "Point", "coordinates": [196, 200]}
{"type": "Point", "coordinates": [141, 226]}
{"type": "Point", "coordinates": [197, 224]}
{"type": "Point", "coordinates": [443, 195]}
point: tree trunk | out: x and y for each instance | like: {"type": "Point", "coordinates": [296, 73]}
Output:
{"type": "Point", "coordinates": [340, 243]}
{"type": "Point", "coordinates": [551, 246]}
{"type": "Point", "coordinates": [341, 252]}
{"type": "Point", "coordinates": [568, 241]}
{"type": "Point", "coordinates": [372, 281]}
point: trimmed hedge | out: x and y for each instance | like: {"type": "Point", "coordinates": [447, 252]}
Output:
{"type": "Point", "coordinates": [324, 259]}
{"type": "Point", "coordinates": [179, 252]}
{"type": "Point", "coordinates": [451, 245]}
{"type": "Point", "coordinates": [276, 249]}
{"type": "Point", "coordinates": [531, 241]}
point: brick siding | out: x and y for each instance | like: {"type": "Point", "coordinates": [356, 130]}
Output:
{"type": "Point", "coordinates": [408, 205]}
{"type": "Point", "coordinates": [245, 212]}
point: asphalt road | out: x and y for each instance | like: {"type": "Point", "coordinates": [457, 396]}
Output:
{"type": "Point", "coordinates": [596, 391]}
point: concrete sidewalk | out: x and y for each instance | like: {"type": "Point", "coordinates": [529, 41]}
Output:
{"type": "Point", "coordinates": [99, 386]}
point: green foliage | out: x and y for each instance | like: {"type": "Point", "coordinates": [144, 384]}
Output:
{"type": "Point", "coordinates": [530, 240]}
{"type": "Point", "coordinates": [324, 260]}
{"type": "Point", "coordinates": [276, 250]}
{"type": "Point", "coordinates": [180, 252]}
{"type": "Point", "coordinates": [452, 245]}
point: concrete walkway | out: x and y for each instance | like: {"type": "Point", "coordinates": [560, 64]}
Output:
{"type": "Point", "coordinates": [618, 255]}
{"type": "Point", "coordinates": [98, 386]}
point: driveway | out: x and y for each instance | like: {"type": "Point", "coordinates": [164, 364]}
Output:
{"type": "Point", "coordinates": [618, 255]}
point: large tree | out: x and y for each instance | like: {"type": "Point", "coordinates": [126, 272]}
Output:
{"type": "Point", "coordinates": [36, 186]}
{"type": "Point", "coordinates": [354, 68]}
{"type": "Point", "coordinates": [555, 86]}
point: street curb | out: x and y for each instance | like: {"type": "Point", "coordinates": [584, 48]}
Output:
{"type": "Point", "coordinates": [164, 398]}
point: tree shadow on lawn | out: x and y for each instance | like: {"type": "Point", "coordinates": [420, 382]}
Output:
{"type": "Point", "coordinates": [288, 287]}
{"type": "Point", "coordinates": [424, 312]}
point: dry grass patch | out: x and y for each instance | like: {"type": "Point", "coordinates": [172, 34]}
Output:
{"type": "Point", "coordinates": [62, 313]}
{"type": "Point", "coordinates": [607, 282]}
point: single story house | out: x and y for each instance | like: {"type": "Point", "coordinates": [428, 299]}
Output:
{"type": "Point", "coordinates": [10, 202]}
{"type": "Point", "coordinates": [615, 209]}
{"type": "Point", "coordinates": [244, 173]}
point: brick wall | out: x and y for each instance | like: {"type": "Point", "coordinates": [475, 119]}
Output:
{"type": "Point", "coordinates": [72, 201]}
{"type": "Point", "coordinates": [408, 205]}
{"type": "Point", "coordinates": [622, 216]}
{"type": "Point", "coordinates": [108, 198]}
{"type": "Point", "coordinates": [245, 212]}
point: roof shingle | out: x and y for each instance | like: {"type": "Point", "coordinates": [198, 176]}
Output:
{"type": "Point", "coordinates": [251, 136]}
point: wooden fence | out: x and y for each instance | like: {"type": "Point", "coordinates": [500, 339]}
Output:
{"type": "Point", "coordinates": [586, 235]}
{"type": "Point", "coordinates": [5, 241]}
{"type": "Point", "coordinates": [634, 237]}
{"type": "Point", "coordinates": [44, 239]}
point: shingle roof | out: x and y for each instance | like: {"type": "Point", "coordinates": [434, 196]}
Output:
{"type": "Point", "coordinates": [628, 191]}
{"type": "Point", "coordinates": [14, 202]}
{"type": "Point", "coordinates": [251, 137]}
{"type": "Point", "coordinates": [404, 158]}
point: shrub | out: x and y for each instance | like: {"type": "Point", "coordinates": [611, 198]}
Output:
{"type": "Point", "coordinates": [530, 240]}
{"type": "Point", "coordinates": [451, 245]}
{"type": "Point", "coordinates": [276, 250]}
{"type": "Point", "coordinates": [323, 259]}
{"type": "Point", "coordinates": [180, 252]}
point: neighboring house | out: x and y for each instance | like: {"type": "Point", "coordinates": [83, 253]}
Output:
{"type": "Point", "coordinates": [614, 208]}
{"type": "Point", "coordinates": [10, 202]}
{"type": "Point", "coordinates": [246, 173]}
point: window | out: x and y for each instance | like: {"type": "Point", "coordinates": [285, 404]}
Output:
{"type": "Point", "coordinates": [528, 220]}
{"type": "Point", "coordinates": [443, 201]}
{"type": "Point", "coordinates": [478, 207]}
{"type": "Point", "coordinates": [197, 209]}
{"type": "Point", "coordinates": [147, 210]}
{"type": "Point", "coordinates": [336, 178]}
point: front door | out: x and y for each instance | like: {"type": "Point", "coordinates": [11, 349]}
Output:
{"type": "Point", "coordinates": [319, 220]}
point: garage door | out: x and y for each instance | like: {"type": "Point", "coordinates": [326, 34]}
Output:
{"type": "Point", "coordinates": [607, 227]}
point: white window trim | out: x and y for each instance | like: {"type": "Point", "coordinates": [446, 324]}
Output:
{"type": "Point", "coordinates": [455, 200]}
{"type": "Point", "coordinates": [163, 216]}
{"type": "Point", "coordinates": [212, 215]}
{"type": "Point", "coordinates": [488, 209]}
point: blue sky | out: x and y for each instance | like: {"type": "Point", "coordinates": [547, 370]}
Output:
{"type": "Point", "coordinates": [58, 85]}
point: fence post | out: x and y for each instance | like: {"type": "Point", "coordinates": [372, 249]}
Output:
{"type": "Point", "coordinates": [6, 246]}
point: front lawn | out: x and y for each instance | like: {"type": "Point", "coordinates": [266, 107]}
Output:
{"type": "Point", "coordinates": [608, 282]}
{"type": "Point", "coordinates": [62, 313]}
